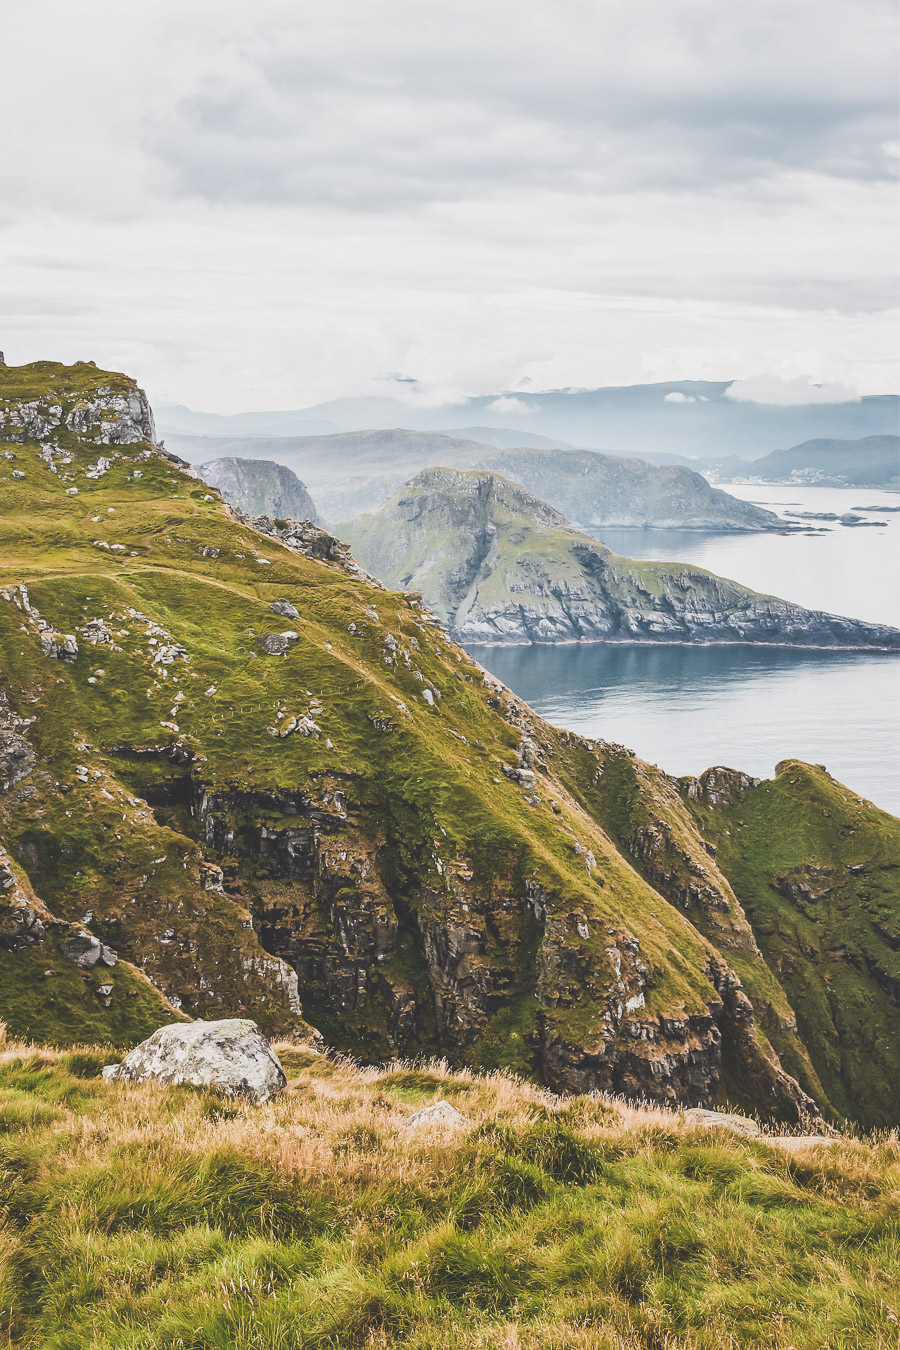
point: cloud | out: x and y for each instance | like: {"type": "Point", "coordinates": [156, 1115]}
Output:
{"type": "Point", "coordinates": [775, 390]}
{"type": "Point", "coordinates": [507, 404]}
{"type": "Point", "coordinates": [270, 205]}
{"type": "Point", "coordinates": [676, 397]}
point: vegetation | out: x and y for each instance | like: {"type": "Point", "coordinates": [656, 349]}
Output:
{"type": "Point", "coordinates": [816, 869]}
{"type": "Point", "coordinates": [140, 1217]}
{"type": "Point", "coordinates": [387, 869]}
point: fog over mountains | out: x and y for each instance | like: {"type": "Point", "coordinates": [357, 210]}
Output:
{"type": "Point", "coordinates": [692, 418]}
{"type": "Point", "coordinates": [350, 472]}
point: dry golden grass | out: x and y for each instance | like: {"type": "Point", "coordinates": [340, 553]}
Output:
{"type": "Point", "coordinates": [318, 1220]}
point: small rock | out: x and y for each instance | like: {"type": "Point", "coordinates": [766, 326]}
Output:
{"type": "Point", "coordinates": [62, 646]}
{"type": "Point", "coordinates": [20, 927]}
{"type": "Point", "coordinates": [441, 1113]}
{"type": "Point", "coordinates": [428, 697]}
{"type": "Point", "coordinates": [285, 608]}
{"type": "Point", "coordinates": [231, 1057]}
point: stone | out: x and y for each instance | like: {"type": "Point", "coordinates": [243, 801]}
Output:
{"type": "Point", "coordinates": [17, 758]}
{"type": "Point", "coordinates": [440, 1113]}
{"type": "Point", "coordinates": [85, 951]}
{"type": "Point", "coordinates": [428, 697]}
{"type": "Point", "coordinates": [230, 1057]}
{"type": "Point", "coordinates": [276, 644]}
{"type": "Point", "coordinates": [722, 1120]}
{"type": "Point", "coordinates": [285, 609]}
{"type": "Point", "coordinates": [20, 927]}
{"type": "Point", "coordinates": [62, 646]}
{"type": "Point", "coordinates": [795, 1142]}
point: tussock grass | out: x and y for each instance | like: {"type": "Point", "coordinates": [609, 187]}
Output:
{"type": "Point", "coordinates": [137, 1217]}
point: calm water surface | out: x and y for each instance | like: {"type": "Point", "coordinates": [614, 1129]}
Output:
{"type": "Point", "coordinates": [686, 708]}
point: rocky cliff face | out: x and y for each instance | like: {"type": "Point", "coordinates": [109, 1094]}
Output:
{"type": "Point", "coordinates": [500, 566]}
{"type": "Point", "coordinates": [260, 487]}
{"type": "Point", "coordinates": [239, 777]}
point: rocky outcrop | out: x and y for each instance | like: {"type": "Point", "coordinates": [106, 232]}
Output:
{"type": "Point", "coordinates": [499, 566]}
{"type": "Point", "coordinates": [103, 414]}
{"type": "Point", "coordinates": [230, 1057]}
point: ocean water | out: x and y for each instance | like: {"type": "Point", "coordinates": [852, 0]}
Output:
{"type": "Point", "coordinates": [686, 708]}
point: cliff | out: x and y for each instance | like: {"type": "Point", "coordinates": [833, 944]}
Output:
{"type": "Point", "coordinates": [238, 776]}
{"type": "Point", "coordinates": [498, 565]}
{"type": "Point", "coordinates": [260, 487]}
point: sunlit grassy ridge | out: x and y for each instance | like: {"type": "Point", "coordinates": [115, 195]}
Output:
{"type": "Point", "coordinates": [143, 1217]}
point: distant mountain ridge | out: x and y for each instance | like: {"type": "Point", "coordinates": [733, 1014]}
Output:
{"type": "Point", "coordinates": [873, 461]}
{"type": "Point", "coordinates": [681, 417]}
{"type": "Point", "coordinates": [498, 565]}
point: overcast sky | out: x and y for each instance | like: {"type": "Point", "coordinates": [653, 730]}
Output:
{"type": "Point", "coordinates": [262, 205]}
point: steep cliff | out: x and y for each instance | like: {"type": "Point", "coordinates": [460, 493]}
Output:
{"type": "Point", "coordinates": [500, 566]}
{"type": "Point", "coordinates": [257, 781]}
{"type": "Point", "coordinates": [260, 487]}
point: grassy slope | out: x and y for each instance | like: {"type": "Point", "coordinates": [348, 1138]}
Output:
{"type": "Point", "coordinates": [139, 1218]}
{"type": "Point", "coordinates": [433, 787]}
{"type": "Point", "coordinates": [421, 778]}
{"type": "Point", "coordinates": [837, 957]}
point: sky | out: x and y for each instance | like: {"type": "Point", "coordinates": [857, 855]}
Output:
{"type": "Point", "coordinates": [267, 205]}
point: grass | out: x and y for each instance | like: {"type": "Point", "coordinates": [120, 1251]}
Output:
{"type": "Point", "coordinates": [837, 952]}
{"type": "Point", "coordinates": [135, 1216]}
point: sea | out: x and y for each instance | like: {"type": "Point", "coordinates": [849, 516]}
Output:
{"type": "Point", "coordinates": [688, 707]}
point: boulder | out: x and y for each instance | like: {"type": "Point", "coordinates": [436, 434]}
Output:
{"type": "Point", "coordinates": [20, 926]}
{"type": "Point", "coordinates": [276, 644]}
{"type": "Point", "coordinates": [722, 1120]}
{"type": "Point", "coordinates": [16, 758]}
{"type": "Point", "coordinates": [285, 608]}
{"type": "Point", "coordinates": [440, 1113]}
{"type": "Point", "coordinates": [231, 1057]}
{"type": "Point", "coordinates": [86, 951]}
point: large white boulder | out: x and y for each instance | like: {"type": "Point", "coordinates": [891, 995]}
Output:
{"type": "Point", "coordinates": [231, 1057]}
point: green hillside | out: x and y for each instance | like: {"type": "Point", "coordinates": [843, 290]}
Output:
{"type": "Point", "coordinates": [327, 813]}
